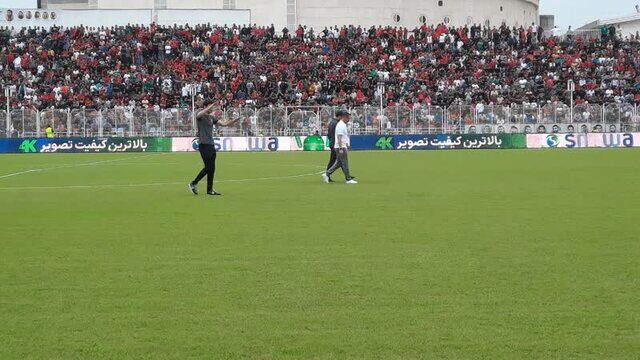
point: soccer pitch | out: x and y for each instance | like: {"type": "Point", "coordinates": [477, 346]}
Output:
{"type": "Point", "coordinates": [435, 254]}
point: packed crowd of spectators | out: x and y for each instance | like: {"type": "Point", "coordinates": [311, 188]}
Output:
{"type": "Point", "coordinates": [154, 66]}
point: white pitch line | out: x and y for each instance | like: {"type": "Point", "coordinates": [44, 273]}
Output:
{"type": "Point", "coordinates": [152, 184]}
{"type": "Point", "coordinates": [70, 166]}
{"type": "Point", "coordinates": [226, 164]}
{"type": "Point", "coordinates": [19, 173]}
{"type": "Point", "coordinates": [110, 163]}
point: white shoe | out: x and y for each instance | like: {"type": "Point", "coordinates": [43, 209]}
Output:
{"type": "Point", "coordinates": [325, 178]}
{"type": "Point", "coordinates": [352, 181]}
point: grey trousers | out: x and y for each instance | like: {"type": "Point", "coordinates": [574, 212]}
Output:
{"type": "Point", "coordinates": [342, 161]}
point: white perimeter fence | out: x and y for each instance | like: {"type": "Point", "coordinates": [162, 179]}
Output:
{"type": "Point", "coordinates": [292, 121]}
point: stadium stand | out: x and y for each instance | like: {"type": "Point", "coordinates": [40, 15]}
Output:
{"type": "Point", "coordinates": [340, 66]}
{"type": "Point", "coordinates": [153, 68]}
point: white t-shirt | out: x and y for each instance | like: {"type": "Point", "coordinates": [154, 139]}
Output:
{"type": "Point", "coordinates": [185, 91]}
{"type": "Point", "coordinates": [341, 129]}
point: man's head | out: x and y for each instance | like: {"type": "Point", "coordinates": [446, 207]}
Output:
{"type": "Point", "coordinates": [343, 115]}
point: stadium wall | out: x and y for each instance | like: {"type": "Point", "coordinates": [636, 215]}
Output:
{"type": "Point", "coordinates": [412, 13]}
{"type": "Point", "coordinates": [320, 14]}
{"type": "Point", "coordinates": [114, 17]}
{"type": "Point", "coordinates": [319, 143]}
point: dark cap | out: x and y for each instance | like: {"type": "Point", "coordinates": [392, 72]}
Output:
{"type": "Point", "coordinates": [342, 112]}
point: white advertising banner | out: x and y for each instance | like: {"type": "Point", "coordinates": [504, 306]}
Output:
{"type": "Point", "coordinates": [591, 140]}
{"type": "Point", "coordinates": [279, 143]}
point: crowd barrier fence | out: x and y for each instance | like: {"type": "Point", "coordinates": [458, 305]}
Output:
{"type": "Point", "coordinates": [302, 121]}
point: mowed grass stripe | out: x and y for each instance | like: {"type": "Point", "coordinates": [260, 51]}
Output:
{"type": "Point", "coordinates": [453, 254]}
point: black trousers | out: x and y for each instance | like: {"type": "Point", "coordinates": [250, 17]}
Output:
{"type": "Point", "coordinates": [208, 154]}
{"type": "Point", "coordinates": [332, 159]}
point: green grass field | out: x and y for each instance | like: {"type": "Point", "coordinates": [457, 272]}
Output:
{"type": "Point", "coordinates": [452, 254]}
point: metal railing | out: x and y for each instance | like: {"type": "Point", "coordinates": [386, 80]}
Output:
{"type": "Point", "coordinates": [293, 121]}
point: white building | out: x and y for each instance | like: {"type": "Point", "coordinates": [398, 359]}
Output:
{"type": "Point", "coordinates": [319, 14]}
{"type": "Point", "coordinates": [626, 26]}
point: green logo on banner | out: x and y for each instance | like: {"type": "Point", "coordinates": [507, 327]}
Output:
{"type": "Point", "coordinates": [28, 146]}
{"type": "Point", "coordinates": [313, 143]}
{"type": "Point", "coordinates": [384, 143]}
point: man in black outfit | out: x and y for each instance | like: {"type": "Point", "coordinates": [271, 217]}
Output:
{"type": "Point", "coordinates": [205, 122]}
{"type": "Point", "coordinates": [331, 135]}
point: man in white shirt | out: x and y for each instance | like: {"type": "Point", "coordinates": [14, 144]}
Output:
{"type": "Point", "coordinates": [556, 31]}
{"type": "Point", "coordinates": [341, 145]}
{"type": "Point", "coordinates": [17, 63]}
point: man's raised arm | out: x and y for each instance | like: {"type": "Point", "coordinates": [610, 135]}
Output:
{"type": "Point", "coordinates": [205, 111]}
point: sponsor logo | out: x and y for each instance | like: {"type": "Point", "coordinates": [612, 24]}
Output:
{"type": "Point", "coordinates": [219, 143]}
{"type": "Point", "coordinates": [313, 143]}
{"type": "Point", "coordinates": [28, 146]}
{"type": "Point", "coordinates": [552, 141]}
{"type": "Point", "coordinates": [224, 143]}
{"type": "Point", "coordinates": [617, 140]}
{"type": "Point", "coordinates": [262, 144]}
{"type": "Point", "coordinates": [384, 143]}
{"type": "Point", "coordinates": [590, 140]}
{"type": "Point", "coordinates": [577, 140]}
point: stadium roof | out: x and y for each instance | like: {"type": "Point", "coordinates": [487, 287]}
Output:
{"type": "Point", "coordinates": [611, 21]}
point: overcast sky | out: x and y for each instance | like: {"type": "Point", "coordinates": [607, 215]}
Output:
{"type": "Point", "coordinates": [580, 12]}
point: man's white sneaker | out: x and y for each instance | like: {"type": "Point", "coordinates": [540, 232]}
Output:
{"type": "Point", "coordinates": [352, 181]}
{"type": "Point", "coordinates": [325, 178]}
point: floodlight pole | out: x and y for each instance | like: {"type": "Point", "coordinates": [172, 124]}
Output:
{"type": "Point", "coordinates": [381, 90]}
{"type": "Point", "coordinates": [7, 94]}
{"type": "Point", "coordinates": [571, 87]}
{"type": "Point", "coordinates": [192, 89]}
